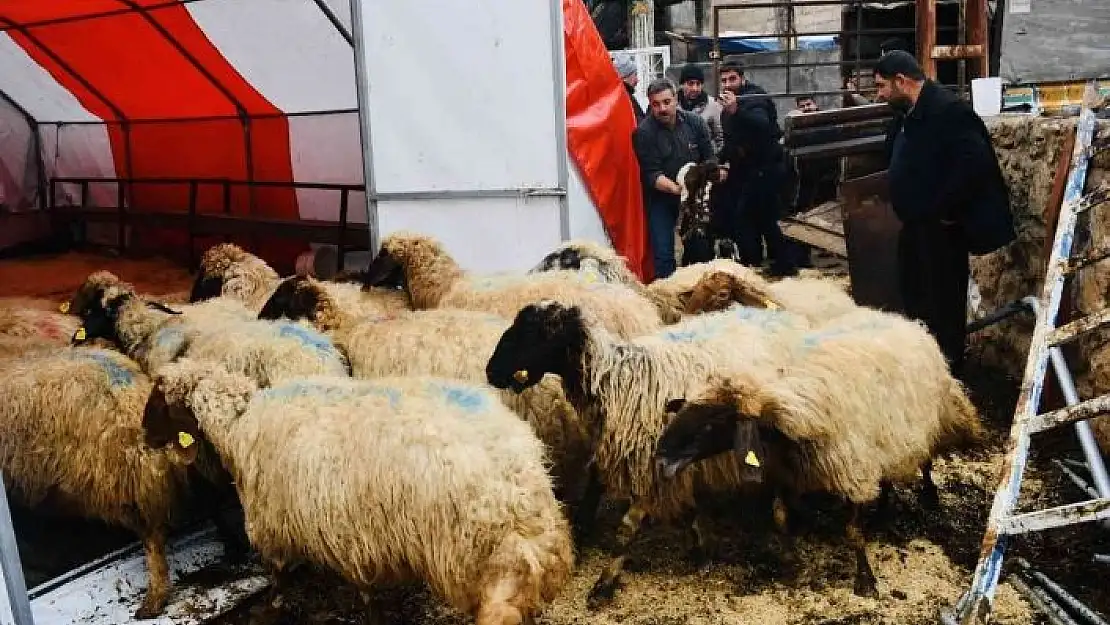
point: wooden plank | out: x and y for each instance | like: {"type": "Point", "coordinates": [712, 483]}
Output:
{"type": "Point", "coordinates": [1053, 396]}
{"type": "Point", "coordinates": [817, 237]}
{"type": "Point", "coordinates": [927, 36]}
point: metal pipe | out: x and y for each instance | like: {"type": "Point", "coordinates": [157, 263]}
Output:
{"type": "Point", "coordinates": [334, 19]}
{"type": "Point", "coordinates": [362, 92]}
{"type": "Point", "coordinates": [559, 95]}
{"type": "Point", "coordinates": [10, 568]}
{"type": "Point", "coordinates": [207, 118]}
{"type": "Point", "coordinates": [1074, 477]}
{"type": "Point", "coordinates": [1058, 592]}
{"type": "Point", "coordinates": [1042, 602]}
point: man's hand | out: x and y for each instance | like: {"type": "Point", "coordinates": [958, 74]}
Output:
{"type": "Point", "coordinates": [729, 101]}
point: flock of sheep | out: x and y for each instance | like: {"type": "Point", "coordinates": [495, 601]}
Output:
{"type": "Point", "coordinates": [415, 422]}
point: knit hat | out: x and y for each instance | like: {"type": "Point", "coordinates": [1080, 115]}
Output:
{"type": "Point", "coordinates": [691, 72]}
{"type": "Point", "coordinates": [625, 66]}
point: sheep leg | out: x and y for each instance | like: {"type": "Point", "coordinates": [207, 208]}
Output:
{"type": "Point", "coordinates": [158, 571]}
{"type": "Point", "coordinates": [375, 612]}
{"type": "Point", "coordinates": [699, 552]}
{"type": "Point", "coordinates": [930, 497]}
{"type": "Point", "coordinates": [586, 511]}
{"type": "Point", "coordinates": [865, 577]}
{"type": "Point", "coordinates": [606, 585]}
{"type": "Point", "coordinates": [785, 538]}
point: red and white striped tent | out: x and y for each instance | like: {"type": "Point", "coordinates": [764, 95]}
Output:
{"type": "Point", "coordinates": [251, 90]}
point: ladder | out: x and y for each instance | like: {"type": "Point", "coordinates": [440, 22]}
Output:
{"type": "Point", "coordinates": [975, 605]}
{"type": "Point", "coordinates": [971, 37]}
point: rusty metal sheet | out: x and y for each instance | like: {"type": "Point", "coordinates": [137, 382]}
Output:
{"type": "Point", "coordinates": [871, 237]}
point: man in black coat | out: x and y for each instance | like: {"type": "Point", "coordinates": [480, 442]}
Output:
{"type": "Point", "coordinates": [947, 189]}
{"type": "Point", "coordinates": [749, 202]}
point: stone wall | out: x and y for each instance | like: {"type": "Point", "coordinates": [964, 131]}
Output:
{"type": "Point", "coordinates": [1028, 150]}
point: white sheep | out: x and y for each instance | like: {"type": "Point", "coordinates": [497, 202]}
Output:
{"type": "Point", "coordinates": [266, 351]}
{"type": "Point", "coordinates": [71, 438]}
{"type": "Point", "coordinates": [622, 389]}
{"type": "Point", "coordinates": [816, 299]}
{"type": "Point", "coordinates": [390, 480]}
{"type": "Point", "coordinates": [434, 280]}
{"type": "Point", "coordinates": [867, 401]}
{"type": "Point", "coordinates": [440, 342]}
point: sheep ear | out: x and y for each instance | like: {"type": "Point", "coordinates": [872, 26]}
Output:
{"type": "Point", "coordinates": [674, 405]}
{"type": "Point", "coordinates": [749, 447]}
{"type": "Point", "coordinates": [186, 446]}
{"type": "Point", "coordinates": [162, 307]}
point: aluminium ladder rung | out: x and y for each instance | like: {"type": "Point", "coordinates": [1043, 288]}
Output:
{"type": "Point", "coordinates": [1073, 329]}
{"type": "Point", "coordinates": [1060, 516]}
{"type": "Point", "coordinates": [1087, 409]}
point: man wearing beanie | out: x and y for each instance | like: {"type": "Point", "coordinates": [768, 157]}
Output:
{"type": "Point", "coordinates": [947, 190]}
{"type": "Point", "coordinates": [693, 98]}
{"type": "Point", "coordinates": [626, 69]}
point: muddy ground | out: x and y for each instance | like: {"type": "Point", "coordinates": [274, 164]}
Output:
{"type": "Point", "coordinates": [923, 558]}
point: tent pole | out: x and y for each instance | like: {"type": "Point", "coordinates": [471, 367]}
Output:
{"type": "Point", "coordinates": [362, 82]}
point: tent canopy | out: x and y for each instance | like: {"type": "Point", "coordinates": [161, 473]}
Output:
{"type": "Point", "coordinates": [241, 90]}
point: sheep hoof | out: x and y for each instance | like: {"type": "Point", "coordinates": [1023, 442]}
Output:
{"type": "Point", "coordinates": [603, 592]}
{"type": "Point", "coordinates": [149, 610]}
{"type": "Point", "coordinates": [865, 587]}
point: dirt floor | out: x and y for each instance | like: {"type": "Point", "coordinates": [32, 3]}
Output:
{"type": "Point", "coordinates": [923, 558]}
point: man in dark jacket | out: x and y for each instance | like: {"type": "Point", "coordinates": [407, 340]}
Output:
{"type": "Point", "coordinates": [665, 140]}
{"type": "Point", "coordinates": [610, 17]}
{"type": "Point", "coordinates": [947, 189]}
{"type": "Point", "coordinates": [749, 202]}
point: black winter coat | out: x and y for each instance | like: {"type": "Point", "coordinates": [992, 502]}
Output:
{"type": "Point", "coordinates": [945, 168]}
{"type": "Point", "coordinates": [751, 133]}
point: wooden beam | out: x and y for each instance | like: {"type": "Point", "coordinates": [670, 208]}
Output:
{"type": "Point", "coordinates": [978, 34]}
{"type": "Point", "coordinates": [926, 15]}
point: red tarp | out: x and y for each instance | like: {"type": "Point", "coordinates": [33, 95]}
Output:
{"type": "Point", "coordinates": [599, 137]}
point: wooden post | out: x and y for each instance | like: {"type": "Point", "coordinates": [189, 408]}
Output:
{"type": "Point", "coordinates": [978, 29]}
{"type": "Point", "coordinates": [926, 15]}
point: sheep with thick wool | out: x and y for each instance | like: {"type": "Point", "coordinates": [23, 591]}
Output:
{"type": "Point", "coordinates": [434, 280]}
{"type": "Point", "coordinates": [867, 401]}
{"type": "Point", "coordinates": [817, 300]}
{"type": "Point", "coordinates": [449, 486]}
{"type": "Point", "coordinates": [30, 323]}
{"type": "Point", "coordinates": [228, 271]}
{"type": "Point", "coordinates": [674, 291]}
{"type": "Point", "coordinates": [621, 388]}
{"type": "Point", "coordinates": [441, 342]}
{"type": "Point", "coordinates": [71, 439]}
{"type": "Point", "coordinates": [266, 351]}
{"type": "Point", "coordinates": [213, 311]}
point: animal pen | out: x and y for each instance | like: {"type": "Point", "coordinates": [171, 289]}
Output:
{"type": "Point", "coordinates": [308, 131]}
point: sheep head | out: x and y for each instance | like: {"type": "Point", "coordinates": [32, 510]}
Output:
{"type": "Point", "coordinates": [215, 262]}
{"type": "Point", "coordinates": [170, 425]}
{"type": "Point", "coordinates": [297, 297]}
{"type": "Point", "coordinates": [89, 292]}
{"type": "Point", "coordinates": [567, 257]}
{"type": "Point", "coordinates": [100, 313]}
{"type": "Point", "coordinates": [717, 290]}
{"type": "Point", "coordinates": [727, 417]}
{"type": "Point", "coordinates": [546, 337]}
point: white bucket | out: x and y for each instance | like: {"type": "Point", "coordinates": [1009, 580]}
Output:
{"type": "Point", "coordinates": [986, 95]}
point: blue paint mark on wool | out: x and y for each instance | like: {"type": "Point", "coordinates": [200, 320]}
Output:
{"type": "Point", "coordinates": [323, 390]}
{"type": "Point", "coordinates": [813, 339]}
{"type": "Point", "coordinates": [708, 326]}
{"type": "Point", "coordinates": [308, 338]}
{"type": "Point", "coordinates": [118, 375]}
{"type": "Point", "coordinates": [169, 338]}
{"type": "Point", "coordinates": [468, 398]}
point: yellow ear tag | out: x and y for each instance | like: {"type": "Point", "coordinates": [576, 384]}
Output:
{"type": "Point", "coordinates": [184, 439]}
{"type": "Point", "coordinates": [521, 376]}
{"type": "Point", "coordinates": [64, 307]}
{"type": "Point", "coordinates": [80, 335]}
{"type": "Point", "coordinates": [750, 459]}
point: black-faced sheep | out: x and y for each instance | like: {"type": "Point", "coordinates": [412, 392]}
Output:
{"type": "Point", "coordinates": [71, 439]}
{"type": "Point", "coordinates": [227, 269]}
{"type": "Point", "coordinates": [441, 342]}
{"type": "Point", "coordinates": [434, 280]}
{"type": "Point", "coordinates": [621, 389]}
{"type": "Point", "coordinates": [449, 486]}
{"type": "Point", "coordinates": [867, 401]}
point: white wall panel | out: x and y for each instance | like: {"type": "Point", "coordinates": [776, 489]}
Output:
{"type": "Point", "coordinates": [342, 10]}
{"type": "Point", "coordinates": [585, 222]}
{"type": "Point", "coordinates": [18, 162]}
{"type": "Point", "coordinates": [79, 151]}
{"type": "Point", "coordinates": [286, 49]}
{"type": "Point", "coordinates": [523, 229]}
{"type": "Point", "coordinates": [29, 84]}
{"type": "Point", "coordinates": [460, 94]}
